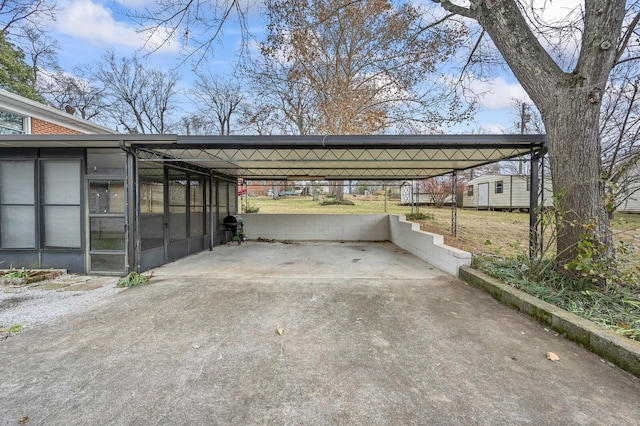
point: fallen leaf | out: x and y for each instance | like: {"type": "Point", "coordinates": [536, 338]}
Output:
{"type": "Point", "coordinates": [552, 357]}
{"type": "Point", "coordinates": [24, 420]}
{"type": "Point", "coordinates": [279, 330]}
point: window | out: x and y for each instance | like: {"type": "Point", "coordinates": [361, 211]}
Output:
{"type": "Point", "coordinates": [61, 204]}
{"type": "Point", "coordinates": [17, 205]}
{"type": "Point", "coordinates": [11, 124]}
{"type": "Point", "coordinates": [499, 187]}
{"type": "Point", "coordinates": [470, 190]}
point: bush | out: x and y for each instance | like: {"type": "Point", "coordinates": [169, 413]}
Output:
{"type": "Point", "coordinates": [336, 202]}
{"type": "Point", "coordinates": [252, 208]}
{"type": "Point", "coordinates": [420, 216]}
{"type": "Point", "coordinates": [616, 307]}
{"type": "Point", "coordinates": [133, 279]}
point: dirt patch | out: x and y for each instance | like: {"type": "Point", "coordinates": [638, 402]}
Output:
{"type": "Point", "coordinates": [12, 302]}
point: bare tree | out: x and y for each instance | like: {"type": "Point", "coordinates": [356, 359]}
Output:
{"type": "Point", "coordinates": [620, 133]}
{"type": "Point", "coordinates": [25, 13]}
{"type": "Point", "coordinates": [568, 95]}
{"type": "Point", "coordinates": [196, 124]}
{"type": "Point", "coordinates": [218, 98]}
{"type": "Point", "coordinates": [438, 189]}
{"type": "Point", "coordinates": [140, 99]}
{"type": "Point", "coordinates": [41, 50]}
{"type": "Point", "coordinates": [197, 24]}
{"type": "Point", "coordinates": [260, 118]}
{"type": "Point", "coordinates": [282, 98]}
{"type": "Point", "coordinates": [75, 94]}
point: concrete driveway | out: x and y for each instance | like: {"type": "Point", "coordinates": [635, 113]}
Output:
{"type": "Point", "coordinates": [372, 335]}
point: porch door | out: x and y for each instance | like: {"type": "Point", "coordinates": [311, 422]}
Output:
{"type": "Point", "coordinates": [106, 234]}
{"type": "Point", "coordinates": [483, 195]}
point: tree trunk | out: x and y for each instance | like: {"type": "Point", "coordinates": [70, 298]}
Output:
{"type": "Point", "coordinates": [569, 104]}
{"type": "Point", "coordinates": [574, 153]}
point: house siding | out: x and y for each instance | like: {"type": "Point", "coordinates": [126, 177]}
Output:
{"type": "Point", "coordinates": [631, 205]}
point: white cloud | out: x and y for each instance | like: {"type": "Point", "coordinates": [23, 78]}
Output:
{"type": "Point", "coordinates": [135, 3]}
{"type": "Point", "coordinates": [96, 24]}
{"type": "Point", "coordinates": [498, 93]}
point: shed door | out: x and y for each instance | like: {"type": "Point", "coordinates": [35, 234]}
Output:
{"type": "Point", "coordinates": [483, 195]}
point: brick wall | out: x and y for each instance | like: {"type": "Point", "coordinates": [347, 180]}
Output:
{"type": "Point", "coordinates": [40, 127]}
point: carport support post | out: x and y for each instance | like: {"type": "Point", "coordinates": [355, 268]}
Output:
{"type": "Point", "coordinates": [132, 212]}
{"type": "Point", "coordinates": [211, 212]}
{"type": "Point", "coordinates": [533, 204]}
{"type": "Point", "coordinates": [454, 203]}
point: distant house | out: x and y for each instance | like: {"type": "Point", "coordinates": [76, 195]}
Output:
{"type": "Point", "coordinates": [502, 192]}
{"type": "Point", "coordinates": [632, 202]}
{"type": "Point", "coordinates": [22, 116]}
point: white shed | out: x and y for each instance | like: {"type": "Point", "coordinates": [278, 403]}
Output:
{"type": "Point", "coordinates": [501, 192]}
{"type": "Point", "coordinates": [632, 203]}
{"type": "Point", "coordinates": [632, 192]}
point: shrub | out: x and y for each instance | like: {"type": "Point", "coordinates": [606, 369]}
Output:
{"type": "Point", "coordinates": [335, 202]}
{"type": "Point", "coordinates": [133, 279]}
{"type": "Point", "coordinates": [420, 216]}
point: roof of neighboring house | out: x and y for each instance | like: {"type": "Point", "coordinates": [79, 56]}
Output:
{"type": "Point", "coordinates": [20, 105]}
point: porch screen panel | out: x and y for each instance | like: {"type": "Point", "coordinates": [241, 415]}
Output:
{"type": "Point", "coordinates": [151, 206]}
{"type": "Point", "coordinates": [61, 209]}
{"type": "Point", "coordinates": [208, 204]}
{"type": "Point", "coordinates": [196, 206]}
{"type": "Point", "coordinates": [177, 205]}
{"type": "Point", "coordinates": [106, 162]}
{"type": "Point", "coordinates": [223, 199]}
{"type": "Point", "coordinates": [17, 205]}
{"type": "Point", "coordinates": [233, 198]}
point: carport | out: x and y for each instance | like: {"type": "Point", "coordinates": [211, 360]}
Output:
{"type": "Point", "coordinates": [113, 204]}
{"type": "Point", "coordinates": [346, 158]}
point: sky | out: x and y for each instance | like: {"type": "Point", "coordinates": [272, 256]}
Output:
{"type": "Point", "coordinates": [86, 29]}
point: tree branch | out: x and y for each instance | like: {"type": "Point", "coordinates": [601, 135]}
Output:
{"type": "Point", "coordinates": [457, 10]}
{"type": "Point", "coordinates": [627, 36]}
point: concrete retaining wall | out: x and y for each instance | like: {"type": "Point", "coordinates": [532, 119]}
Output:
{"type": "Point", "coordinates": [346, 227]}
{"type": "Point", "coordinates": [317, 227]}
{"type": "Point", "coordinates": [426, 246]}
{"type": "Point", "coordinates": [623, 352]}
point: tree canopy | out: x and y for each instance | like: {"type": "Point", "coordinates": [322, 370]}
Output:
{"type": "Point", "coordinates": [16, 75]}
{"type": "Point", "coordinates": [363, 67]}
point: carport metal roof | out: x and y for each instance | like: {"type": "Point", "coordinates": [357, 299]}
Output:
{"type": "Point", "coordinates": [331, 157]}
{"type": "Point", "coordinates": [380, 157]}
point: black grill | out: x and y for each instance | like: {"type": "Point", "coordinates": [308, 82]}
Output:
{"type": "Point", "coordinates": [234, 225]}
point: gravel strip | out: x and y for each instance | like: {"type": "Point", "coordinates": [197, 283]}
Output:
{"type": "Point", "coordinates": [28, 306]}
